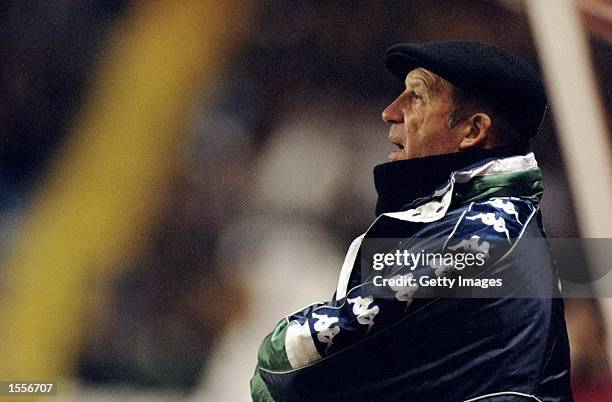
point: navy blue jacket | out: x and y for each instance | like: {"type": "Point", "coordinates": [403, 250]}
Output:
{"type": "Point", "coordinates": [505, 341]}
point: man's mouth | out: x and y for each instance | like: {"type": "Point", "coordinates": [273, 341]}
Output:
{"type": "Point", "coordinates": [396, 154]}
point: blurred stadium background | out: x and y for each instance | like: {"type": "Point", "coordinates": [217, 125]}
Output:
{"type": "Point", "coordinates": [176, 176]}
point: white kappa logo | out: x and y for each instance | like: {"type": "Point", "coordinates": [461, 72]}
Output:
{"type": "Point", "coordinates": [404, 293]}
{"type": "Point", "coordinates": [325, 333]}
{"type": "Point", "coordinates": [365, 315]}
{"type": "Point", "coordinates": [489, 219]}
{"type": "Point", "coordinates": [471, 246]}
{"type": "Point", "coordinates": [506, 206]}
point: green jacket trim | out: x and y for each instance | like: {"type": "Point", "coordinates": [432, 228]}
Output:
{"type": "Point", "coordinates": [272, 354]}
{"type": "Point", "coordinates": [259, 390]}
{"type": "Point", "coordinates": [523, 184]}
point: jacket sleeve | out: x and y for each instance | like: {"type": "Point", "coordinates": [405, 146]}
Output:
{"type": "Point", "coordinates": [319, 330]}
{"type": "Point", "coordinates": [259, 390]}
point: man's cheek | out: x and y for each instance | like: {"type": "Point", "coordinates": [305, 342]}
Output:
{"type": "Point", "coordinates": [409, 139]}
{"type": "Point", "coordinates": [411, 127]}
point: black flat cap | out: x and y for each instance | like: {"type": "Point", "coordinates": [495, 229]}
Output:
{"type": "Point", "coordinates": [503, 81]}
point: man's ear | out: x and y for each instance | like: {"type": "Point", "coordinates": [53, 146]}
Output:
{"type": "Point", "coordinates": [477, 131]}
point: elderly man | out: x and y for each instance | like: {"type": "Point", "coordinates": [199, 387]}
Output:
{"type": "Point", "coordinates": [410, 320]}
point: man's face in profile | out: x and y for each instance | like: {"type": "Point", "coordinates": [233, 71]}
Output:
{"type": "Point", "coordinates": [419, 117]}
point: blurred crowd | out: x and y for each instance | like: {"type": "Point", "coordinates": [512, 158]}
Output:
{"type": "Point", "coordinates": [276, 179]}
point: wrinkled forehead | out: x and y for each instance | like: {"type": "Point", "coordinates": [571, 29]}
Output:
{"type": "Point", "coordinates": [423, 77]}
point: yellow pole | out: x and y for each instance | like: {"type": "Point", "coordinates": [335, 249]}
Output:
{"type": "Point", "coordinates": [107, 182]}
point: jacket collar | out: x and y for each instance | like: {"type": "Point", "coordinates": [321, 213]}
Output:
{"type": "Point", "coordinates": [404, 184]}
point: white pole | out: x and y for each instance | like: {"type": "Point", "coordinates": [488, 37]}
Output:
{"type": "Point", "coordinates": [576, 104]}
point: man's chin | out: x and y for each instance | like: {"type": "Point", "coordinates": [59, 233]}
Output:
{"type": "Point", "coordinates": [398, 155]}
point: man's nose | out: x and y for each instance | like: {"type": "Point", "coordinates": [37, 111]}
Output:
{"type": "Point", "coordinates": [393, 113]}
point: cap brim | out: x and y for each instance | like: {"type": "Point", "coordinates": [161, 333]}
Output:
{"type": "Point", "coordinates": [400, 64]}
{"type": "Point", "coordinates": [405, 57]}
